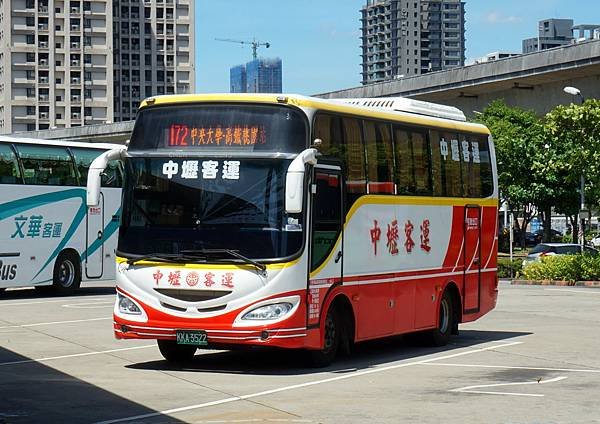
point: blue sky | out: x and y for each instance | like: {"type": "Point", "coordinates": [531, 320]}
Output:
{"type": "Point", "coordinates": [318, 40]}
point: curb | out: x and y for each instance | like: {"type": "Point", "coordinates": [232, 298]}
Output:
{"type": "Point", "coordinates": [555, 283]}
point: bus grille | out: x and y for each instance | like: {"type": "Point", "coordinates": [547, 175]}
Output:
{"type": "Point", "coordinates": [193, 295]}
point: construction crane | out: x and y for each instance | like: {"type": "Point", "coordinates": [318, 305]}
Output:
{"type": "Point", "coordinates": [255, 44]}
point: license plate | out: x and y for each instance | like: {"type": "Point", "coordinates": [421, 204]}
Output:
{"type": "Point", "coordinates": [191, 337]}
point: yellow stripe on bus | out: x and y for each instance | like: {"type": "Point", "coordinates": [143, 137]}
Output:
{"type": "Point", "coordinates": [210, 266]}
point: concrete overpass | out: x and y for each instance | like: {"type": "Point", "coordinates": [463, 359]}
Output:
{"type": "Point", "coordinates": [531, 81]}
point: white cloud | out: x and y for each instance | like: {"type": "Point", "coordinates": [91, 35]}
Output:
{"type": "Point", "coordinates": [495, 17]}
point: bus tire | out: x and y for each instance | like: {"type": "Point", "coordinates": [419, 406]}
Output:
{"type": "Point", "coordinates": [67, 273]}
{"type": "Point", "coordinates": [325, 356]}
{"type": "Point", "coordinates": [176, 353]}
{"type": "Point", "coordinates": [440, 336]}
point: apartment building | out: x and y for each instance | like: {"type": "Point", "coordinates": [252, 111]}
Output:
{"type": "Point", "coordinates": [67, 63]}
{"type": "Point", "coordinates": [153, 44]}
{"type": "Point", "coordinates": [55, 64]}
{"type": "Point", "coordinates": [403, 38]}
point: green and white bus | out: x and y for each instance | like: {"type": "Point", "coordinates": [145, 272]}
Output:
{"type": "Point", "coordinates": [48, 236]}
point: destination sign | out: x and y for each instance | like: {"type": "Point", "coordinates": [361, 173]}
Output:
{"type": "Point", "coordinates": [181, 135]}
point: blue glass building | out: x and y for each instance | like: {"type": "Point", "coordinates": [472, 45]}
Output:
{"type": "Point", "coordinates": [258, 76]}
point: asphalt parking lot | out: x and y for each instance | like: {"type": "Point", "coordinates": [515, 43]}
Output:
{"type": "Point", "coordinates": [534, 359]}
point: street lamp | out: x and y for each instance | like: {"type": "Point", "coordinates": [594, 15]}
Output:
{"type": "Point", "coordinates": [573, 91]}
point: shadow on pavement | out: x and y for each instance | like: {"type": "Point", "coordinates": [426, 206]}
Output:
{"type": "Point", "coordinates": [32, 293]}
{"type": "Point", "coordinates": [35, 393]}
{"type": "Point", "coordinates": [283, 362]}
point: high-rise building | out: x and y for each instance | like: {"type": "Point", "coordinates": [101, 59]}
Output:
{"type": "Point", "coordinates": [237, 79]}
{"type": "Point", "coordinates": [153, 51]}
{"type": "Point", "coordinates": [66, 63]}
{"type": "Point", "coordinates": [55, 63]}
{"type": "Point", "coordinates": [405, 38]}
{"type": "Point", "coordinates": [260, 75]}
{"type": "Point", "coordinates": [551, 33]}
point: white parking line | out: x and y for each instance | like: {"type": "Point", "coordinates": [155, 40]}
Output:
{"type": "Point", "coordinates": [54, 323]}
{"type": "Point", "coordinates": [580, 291]}
{"type": "Point", "coordinates": [75, 355]}
{"type": "Point", "coordinates": [89, 305]}
{"type": "Point", "coordinates": [63, 300]}
{"type": "Point", "coordinates": [516, 368]}
{"type": "Point", "coordinates": [470, 389]}
{"type": "Point", "coordinates": [307, 384]}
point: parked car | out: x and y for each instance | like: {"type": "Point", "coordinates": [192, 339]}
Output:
{"type": "Point", "coordinates": [531, 239]}
{"type": "Point", "coordinates": [595, 241]}
{"type": "Point", "coordinates": [551, 249]}
{"type": "Point", "coordinates": [554, 234]}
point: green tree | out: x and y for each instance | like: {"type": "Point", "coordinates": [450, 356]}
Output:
{"type": "Point", "coordinates": [573, 132]}
{"type": "Point", "coordinates": [519, 139]}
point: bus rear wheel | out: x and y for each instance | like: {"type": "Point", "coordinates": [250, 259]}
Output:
{"type": "Point", "coordinates": [176, 353]}
{"type": "Point", "coordinates": [325, 356]}
{"type": "Point", "coordinates": [67, 273]}
{"type": "Point", "coordinates": [440, 336]}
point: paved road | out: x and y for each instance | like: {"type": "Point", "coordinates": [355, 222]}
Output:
{"type": "Point", "coordinates": [535, 359]}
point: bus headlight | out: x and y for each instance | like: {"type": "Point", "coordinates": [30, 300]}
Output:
{"type": "Point", "coordinates": [127, 306]}
{"type": "Point", "coordinates": [269, 312]}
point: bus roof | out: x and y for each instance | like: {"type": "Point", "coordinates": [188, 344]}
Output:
{"type": "Point", "coordinates": [61, 143]}
{"type": "Point", "coordinates": [331, 105]}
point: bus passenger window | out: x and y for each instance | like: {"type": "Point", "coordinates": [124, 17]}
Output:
{"type": "Point", "coordinates": [47, 165]}
{"type": "Point", "coordinates": [380, 158]}
{"type": "Point", "coordinates": [471, 180]}
{"type": "Point", "coordinates": [328, 128]}
{"type": "Point", "coordinates": [405, 176]}
{"type": "Point", "coordinates": [451, 165]}
{"type": "Point", "coordinates": [439, 154]}
{"type": "Point", "coordinates": [481, 148]}
{"type": "Point", "coordinates": [9, 167]}
{"type": "Point", "coordinates": [421, 164]}
{"type": "Point", "coordinates": [354, 155]}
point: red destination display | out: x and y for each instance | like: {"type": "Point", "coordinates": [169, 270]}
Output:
{"type": "Point", "coordinates": [234, 136]}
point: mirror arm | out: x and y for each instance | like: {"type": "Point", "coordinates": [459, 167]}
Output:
{"type": "Point", "coordinates": [97, 167]}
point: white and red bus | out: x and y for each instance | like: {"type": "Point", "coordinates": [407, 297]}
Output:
{"type": "Point", "coordinates": [295, 222]}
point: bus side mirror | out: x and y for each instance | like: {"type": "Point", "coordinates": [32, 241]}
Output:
{"type": "Point", "coordinates": [294, 180]}
{"type": "Point", "coordinates": [97, 167]}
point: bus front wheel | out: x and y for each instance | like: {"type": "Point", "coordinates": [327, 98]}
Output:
{"type": "Point", "coordinates": [325, 356]}
{"type": "Point", "coordinates": [67, 273]}
{"type": "Point", "coordinates": [440, 336]}
{"type": "Point", "coordinates": [174, 352]}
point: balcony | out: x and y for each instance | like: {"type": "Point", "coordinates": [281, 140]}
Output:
{"type": "Point", "coordinates": [75, 62]}
{"type": "Point", "coordinates": [75, 10]}
{"type": "Point", "coordinates": [44, 97]}
{"type": "Point", "coordinates": [44, 115]}
{"type": "Point", "coordinates": [43, 80]}
{"type": "Point", "coordinates": [75, 44]}
{"type": "Point", "coordinates": [43, 9]}
{"type": "Point", "coordinates": [75, 80]}
{"type": "Point", "coordinates": [75, 98]}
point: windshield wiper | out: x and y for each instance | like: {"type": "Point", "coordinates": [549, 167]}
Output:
{"type": "Point", "coordinates": [234, 253]}
{"type": "Point", "coordinates": [163, 257]}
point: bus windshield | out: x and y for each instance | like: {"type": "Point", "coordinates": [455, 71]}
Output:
{"type": "Point", "coordinates": [219, 128]}
{"type": "Point", "coordinates": [172, 205]}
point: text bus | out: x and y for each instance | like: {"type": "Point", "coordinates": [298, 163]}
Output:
{"type": "Point", "coordinates": [296, 222]}
{"type": "Point", "coordinates": [48, 236]}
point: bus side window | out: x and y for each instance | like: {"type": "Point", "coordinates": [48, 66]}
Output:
{"type": "Point", "coordinates": [439, 153]}
{"type": "Point", "coordinates": [47, 165]}
{"type": "Point", "coordinates": [354, 158]}
{"type": "Point", "coordinates": [83, 160]}
{"type": "Point", "coordinates": [380, 158]}
{"type": "Point", "coordinates": [328, 128]}
{"type": "Point", "coordinates": [471, 181]}
{"type": "Point", "coordinates": [9, 166]}
{"type": "Point", "coordinates": [405, 175]}
{"type": "Point", "coordinates": [421, 163]}
{"type": "Point", "coordinates": [480, 146]}
{"type": "Point", "coordinates": [113, 176]}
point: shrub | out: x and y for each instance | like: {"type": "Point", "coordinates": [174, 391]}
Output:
{"type": "Point", "coordinates": [564, 268]}
{"type": "Point", "coordinates": [508, 268]}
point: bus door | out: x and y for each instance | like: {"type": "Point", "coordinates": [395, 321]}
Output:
{"type": "Point", "coordinates": [94, 236]}
{"type": "Point", "coordinates": [326, 237]}
{"type": "Point", "coordinates": [472, 259]}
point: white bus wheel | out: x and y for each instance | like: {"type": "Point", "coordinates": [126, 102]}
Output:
{"type": "Point", "coordinates": [67, 273]}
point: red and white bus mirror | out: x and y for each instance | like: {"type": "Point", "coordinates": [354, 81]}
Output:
{"type": "Point", "coordinates": [294, 180]}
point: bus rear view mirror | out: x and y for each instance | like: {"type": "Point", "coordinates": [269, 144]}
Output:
{"type": "Point", "coordinates": [94, 180]}
{"type": "Point", "coordinates": [294, 180]}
